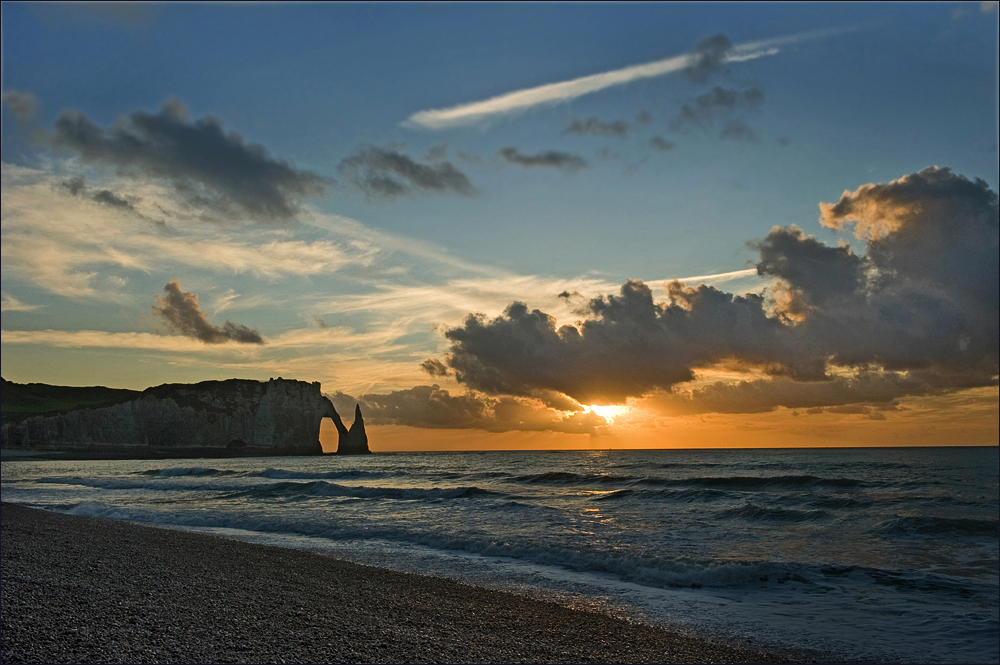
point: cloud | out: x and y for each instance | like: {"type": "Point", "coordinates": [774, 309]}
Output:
{"type": "Point", "coordinates": [737, 130]}
{"type": "Point", "coordinates": [715, 104]}
{"type": "Point", "coordinates": [183, 314]}
{"type": "Point", "coordinates": [549, 159]}
{"type": "Point", "coordinates": [630, 346]}
{"type": "Point", "coordinates": [23, 105]}
{"type": "Point", "coordinates": [66, 244]}
{"type": "Point", "coordinates": [208, 169]}
{"type": "Point", "coordinates": [661, 144]}
{"type": "Point", "coordinates": [76, 339]}
{"type": "Point", "coordinates": [12, 304]}
{"type": "Point", "coordinates": [77, 186]}
{"type": "Point", "coordinates": [872, 388]}
{"type": "Point", "coordinates": [917, 312]}
{"type": "Point", "coordinates": [434, 367]}
{"type": "Point", "coordinates": [618, 128]}
{"type": "Point", "coordinates": [709, 55]}
{"type": "Point", "coordinates": [387, 173]}
{"type": "Point", "coordinates": [434, 407]}
{"type": "Point", "coordinates": [719, 104]}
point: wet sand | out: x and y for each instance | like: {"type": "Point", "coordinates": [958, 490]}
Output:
{"type": "Point", "coordinates": [81, 590]}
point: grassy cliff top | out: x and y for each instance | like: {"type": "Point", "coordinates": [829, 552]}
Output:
{"type": "Point", "coordinates": [23, 400]}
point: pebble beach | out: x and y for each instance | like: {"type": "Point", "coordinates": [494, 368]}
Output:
{"type": "Point", "coordinates": [85, 590]}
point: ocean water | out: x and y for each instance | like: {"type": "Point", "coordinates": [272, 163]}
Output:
{"type": "Point", "coordinates": [887, 554]}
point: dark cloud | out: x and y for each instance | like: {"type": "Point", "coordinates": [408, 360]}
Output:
{"type": "Point", "coordinates": [618, 128]}
{"type": "Point", "coordinates": [77, 186]}
{"type": "Point", "coordinates": [630, 346]}
{"type": "Point", "coordinates": [661, 144]}
{"type": "Point", "coordinates": [714, 105]}
{"type": "Point", "coordinates": [866, 390]}
{"type": "Point", "coordinates": [709, 54]}
{"type": "Point", "coordinates": [915, 313]}
{"type": "Point", "coordinates": [209, 168]}
{"type": "Point", "coordinates": [435, 367]}
{"type": "Point", "coordinates": [387, 173]}
{"type": "Point", "coordinates": [643, 117]}
{"type": "Point", "coordinates": [183, 314]}
{"type": "Point", "coordinates": [548, 159]}
{"type": "Point", "coordinates": [737, 130]}
{"type": "Point", "coordinates": [434, 407]}
{"type": "Point", "coordinates": [23, 105]}
{"type": "Point", "coordinates": [109, 198]}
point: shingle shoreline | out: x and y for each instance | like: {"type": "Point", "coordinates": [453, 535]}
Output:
{"type": "Point", "coordinates": [81, 590]}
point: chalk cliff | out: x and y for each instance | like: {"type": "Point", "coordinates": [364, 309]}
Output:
{"type": "Point", "coordinates": [234, 417]}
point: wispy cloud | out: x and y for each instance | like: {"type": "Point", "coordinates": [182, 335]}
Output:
{"type": "Point", "coordinates": [564, 91]}
{"type": "Point", "coordinates": [11, 304]}
{"type": "Point", "coordinates": [718, 277]}
{"type": "Point", "coordinates": [66, 243]}
{"type": "Point", "coordinates": [363, 236]}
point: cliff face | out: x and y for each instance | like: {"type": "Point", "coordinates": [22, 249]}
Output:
{"type": "Point", "coordinates": [238, 416]}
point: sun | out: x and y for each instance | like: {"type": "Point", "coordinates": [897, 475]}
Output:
{"type": "Point", "coordinates": [611, 412]}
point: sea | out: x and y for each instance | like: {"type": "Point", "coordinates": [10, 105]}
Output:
{"type": "Point", "coordinates": [887, 554]}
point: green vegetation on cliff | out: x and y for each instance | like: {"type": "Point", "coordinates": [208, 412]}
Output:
{"type": "Point", "coordinates": [23, 400]}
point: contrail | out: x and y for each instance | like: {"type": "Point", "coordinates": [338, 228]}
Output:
{"type": "Point", "coordinates": [718, 277]}
{"type": "Point", "coordinates": [554, 93]}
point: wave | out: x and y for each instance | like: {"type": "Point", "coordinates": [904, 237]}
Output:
{"type": "Point", "coordinates": [283, 474]}
{"type": "Point", "coordinates": [570, 478]}
{"type": "Point", "coordinates": [187, 471]}
{"type": "Point", "coordinates": [277, 490]}
{"type": "Point", "coordinates": [839, 502]}
{"type": "Point", "coordinates": [511, 505]}
{"type": "Point", "coordinates": [756, 513]}
{"type": "Point", "coordinates": [611, 496]}
{"type": "Point", "coordinates": [910, 582]}
{"type": "Point", "coordinates": [768, 482]}
{"type": "Point", "coordinates": [642, 569]}
{"type": "Point", "coordinates": [925, 525]}
{"type": "Point", "coordinates": [324, 488]}
{"type": "Point", "coordinates": [121, 483]}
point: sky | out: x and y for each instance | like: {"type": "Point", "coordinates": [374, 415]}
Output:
{"type": "Point", "coordinates": [516, 225]}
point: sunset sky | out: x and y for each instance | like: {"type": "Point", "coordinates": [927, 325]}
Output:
{"type": "Point", "coordinates": [737, 224]}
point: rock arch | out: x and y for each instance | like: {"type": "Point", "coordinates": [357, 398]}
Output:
{"type": "Point", "coordinates": [353, 441]}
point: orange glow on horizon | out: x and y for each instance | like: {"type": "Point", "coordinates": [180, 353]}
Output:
{"type": "Point", "coordinates": [967, 418]}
